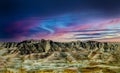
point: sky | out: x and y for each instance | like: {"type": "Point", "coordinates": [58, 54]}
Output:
{"type": "Point", "coordinates": [60, 20]}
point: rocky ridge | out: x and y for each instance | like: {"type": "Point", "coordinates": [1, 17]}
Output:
{"type": "Point", "coordinates": [78, 50]}
{"type": "Point", "coordinates": [47, 53]}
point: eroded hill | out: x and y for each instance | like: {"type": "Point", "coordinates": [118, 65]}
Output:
{"type": "Point", "coordinates": [47, 54]}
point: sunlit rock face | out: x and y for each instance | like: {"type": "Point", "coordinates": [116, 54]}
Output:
{"type": "Point", "coordinates": [39, 55]}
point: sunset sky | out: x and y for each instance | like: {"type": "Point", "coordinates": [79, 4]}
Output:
{"type": "Point", "coordinates": [60, 20]}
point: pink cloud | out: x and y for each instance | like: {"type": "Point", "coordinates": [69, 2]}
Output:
{"type": "Point", "coordinates": [108, 22]}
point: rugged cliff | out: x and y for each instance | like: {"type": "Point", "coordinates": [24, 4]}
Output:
{"type": "Point", "coordinates": [38, 52]}
{"type": "Point", "coordinates": [45, 48]}
{"type": "Point", "coordinates": [39, 46]}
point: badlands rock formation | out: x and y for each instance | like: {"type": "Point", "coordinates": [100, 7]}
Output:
{"type": "Point", "coordinates": [38, 52]}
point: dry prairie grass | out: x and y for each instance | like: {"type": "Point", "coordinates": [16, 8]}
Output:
{"type": "Point", "coordinates": [96, 70]}
{"type": "Point", "coordinates": [70, 71]}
